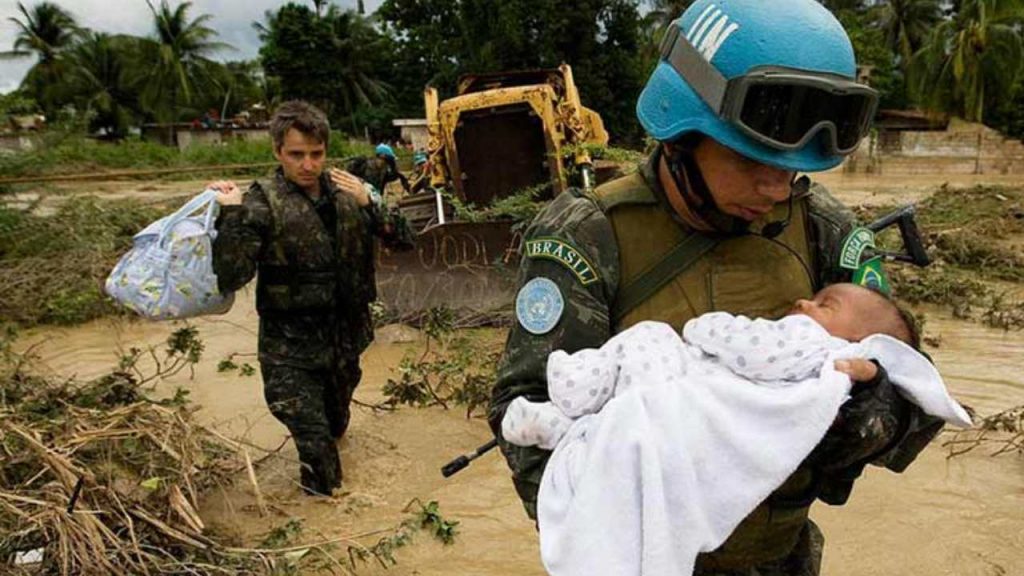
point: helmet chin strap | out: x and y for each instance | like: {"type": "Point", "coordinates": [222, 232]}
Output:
{"type": "Point", "coordinates": [688, 177]}
{"type": "Point", "coordinates": [690, 180]}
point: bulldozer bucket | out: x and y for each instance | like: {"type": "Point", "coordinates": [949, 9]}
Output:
{"type": "Point", "coordinates": [468, 267]}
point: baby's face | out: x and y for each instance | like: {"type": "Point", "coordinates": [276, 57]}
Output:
{"type": "Point", "coordinates": [844, 310]}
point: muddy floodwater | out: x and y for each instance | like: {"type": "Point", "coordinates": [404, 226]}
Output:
{"type": "Point", "coordinates": [960, 517]}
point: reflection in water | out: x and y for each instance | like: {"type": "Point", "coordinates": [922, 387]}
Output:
{"type": "Point", "coordinates": [960, 517]}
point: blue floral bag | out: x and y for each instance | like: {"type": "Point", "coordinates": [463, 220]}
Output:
{"type": "Point", "coordinates": [168, 273]}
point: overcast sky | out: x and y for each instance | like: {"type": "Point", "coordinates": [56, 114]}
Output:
{"type": "Point", "coordinates": [231, 18]}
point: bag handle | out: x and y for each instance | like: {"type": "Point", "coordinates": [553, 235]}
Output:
{"type": "Point", "coordinates": [207, 199]}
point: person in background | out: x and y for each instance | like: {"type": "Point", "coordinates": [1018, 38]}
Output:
{"type": "Point", "coordinates": [380, 170]}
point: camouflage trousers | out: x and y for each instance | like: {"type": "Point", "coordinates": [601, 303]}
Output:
{"type": "Point", "coordinates": [804, 560]}
{"type": "Point", "coordinates": [314, 405]}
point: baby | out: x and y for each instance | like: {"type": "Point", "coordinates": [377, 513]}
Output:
{"type": "Point", "coordinates": [770, 352]}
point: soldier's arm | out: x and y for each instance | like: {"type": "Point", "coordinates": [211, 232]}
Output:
{"type": "Point", "coordinates": [241, 232]}
{"type": "Point", "coordinates": [877, 425]}
{"type": "Point", "coordinates": [357, 166]}
{"type": "Point", "coordinates": [390, 226]}
{"type": "Point", "coordinates": [572, 223]}
{"type": "Point", "coordinates": [405, 182]}
{"type": "Point", "coordinates": [831, 222]}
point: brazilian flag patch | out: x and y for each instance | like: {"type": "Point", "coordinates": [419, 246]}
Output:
{"type": "Point", "coordinates": [565, 254]}
{"type": "Point", "coordinates": [870, 274]}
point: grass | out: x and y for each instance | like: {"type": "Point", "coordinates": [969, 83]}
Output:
{"type": "Point", "coordinates": [62, 153]}
{"type": "Point", "coordinates": [52, 268]}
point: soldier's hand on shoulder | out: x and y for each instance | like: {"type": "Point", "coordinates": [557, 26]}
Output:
{"type": "Point", "coordinates": [228, 193]}
{"type": "Point", "coordinates": [351, 185]}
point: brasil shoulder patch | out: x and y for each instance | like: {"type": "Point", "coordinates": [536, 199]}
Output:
{"type": "Point", "coordinates": [565, 254]}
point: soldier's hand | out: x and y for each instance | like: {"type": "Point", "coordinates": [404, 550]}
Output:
{"type": "Point", "coordinates": [868, 422]}
{"type": "Point", "coordinates": [228, 194]}
{"type": "Point", "coordinates": [351, 185]}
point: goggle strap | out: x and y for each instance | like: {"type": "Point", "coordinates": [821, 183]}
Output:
{"type": "Point", "coordinates": [693, 68]}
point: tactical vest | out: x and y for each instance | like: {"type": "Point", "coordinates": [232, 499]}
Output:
{"type": "Point", "coordinates": [303, 271]}
{"type": "Point", "coordinates": [748, 275]}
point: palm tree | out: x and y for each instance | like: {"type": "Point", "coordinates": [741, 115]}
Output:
{"type": "Point", "coordinates": [655, 23]}
{"type": "Point", "coordinates": [906, 24]}
{"type": "Point", "coordinates": [354, 42]}
{"type": "Point", "coordinates": [662, 13]}
{"type": "Point", "coordinates": [333, 61]}
{"type": "Point", "coordinates": [46, 31]}
{"type": "Point", "coordinates": [100, 81]}
{"type": "Point", "coordinates": [319, 5]}
{"type": "Point", "coordinates": [976, 55]}
{"type": "Point", "coordinates": [836, 6]}
{"type": "Point", "coordinates": [177, 58]}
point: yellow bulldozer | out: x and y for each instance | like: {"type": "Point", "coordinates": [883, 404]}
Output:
{"type": "Point", "coordinates": [501, 134]}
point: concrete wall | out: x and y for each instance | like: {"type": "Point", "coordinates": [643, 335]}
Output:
{"type": "Point", "coordinates": [19, 142]}
{"type": "Point", "coordinates": [185, 135]}
{"type": "Point", "coordinates": [189, 137]}
{"type": "Point", "coordinates": [413, 130]}
{"type": "Point", "coordinates": [961, 149]}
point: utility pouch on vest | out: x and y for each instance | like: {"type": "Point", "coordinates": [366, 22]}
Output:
{"type": "Point", "coordinates": [296, 290]}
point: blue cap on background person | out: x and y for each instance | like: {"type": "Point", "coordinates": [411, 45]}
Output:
{"type": "Point", "coordinates": [384, 150]}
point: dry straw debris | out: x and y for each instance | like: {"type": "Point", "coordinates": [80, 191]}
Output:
{"type": "Point", "coordinates": [98, 478]}
{"type": "Point", "coordinates": [101, 478]}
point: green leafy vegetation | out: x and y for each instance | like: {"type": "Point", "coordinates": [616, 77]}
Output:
{"type": "Point", "coordinates": [520, 206]}
{"type": "Point", "coordinates": [229, 365]}
{"type": "Point", "coordinates": [453, 369]}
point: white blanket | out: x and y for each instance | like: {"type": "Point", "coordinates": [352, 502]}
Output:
{"type": "Point", "coordinates": [679, 442]}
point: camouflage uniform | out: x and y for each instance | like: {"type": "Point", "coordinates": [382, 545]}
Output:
{"type": "Point", "coordinates": [378, 171]}
{"type": "Point", "coordinates": [879, 427]}
{"type": "Point", "coordinates": [313, 294]}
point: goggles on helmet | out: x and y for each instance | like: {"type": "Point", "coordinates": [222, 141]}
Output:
{"type": "Point", "coordinates": [780, 107]}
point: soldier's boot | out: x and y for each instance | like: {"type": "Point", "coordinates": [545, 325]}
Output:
{"type": "Point", "coordinates": [338, 398]}
{"type": "Point", "coordinates": [338, 421]}
{"type": "Point", "coordinates": [321, 470]}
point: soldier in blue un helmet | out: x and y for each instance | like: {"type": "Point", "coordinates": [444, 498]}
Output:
{"type": "Point", "coordinates": [746, 95]}
{"type": "Point", "coordinates": [379, 170]}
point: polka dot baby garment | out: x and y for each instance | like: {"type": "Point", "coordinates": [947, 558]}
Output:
{"type": "Point", "coordinates": [772, 351]}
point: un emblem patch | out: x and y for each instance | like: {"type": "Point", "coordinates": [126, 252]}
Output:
{"type": "Point", "coordinates": [539, 306]}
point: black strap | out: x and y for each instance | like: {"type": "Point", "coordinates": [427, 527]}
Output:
{"type": "Point", "coordinates": [676, 261]}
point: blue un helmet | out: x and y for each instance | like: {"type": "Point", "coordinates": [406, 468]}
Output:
{"type": "Point", "coordinates": [384, 150]}
{"type": "Point", "coordinates": [774, 81]}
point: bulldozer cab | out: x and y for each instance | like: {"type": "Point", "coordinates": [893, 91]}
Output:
{"type": "Point", "coordinates": [501, 134]}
